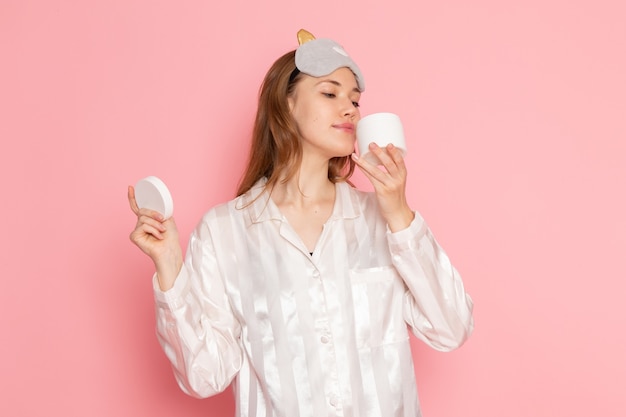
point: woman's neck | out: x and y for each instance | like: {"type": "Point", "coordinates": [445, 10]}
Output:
{"type": "Point", "coordinates": [307, 202]}
{"type": "Point", "coordinates": [304, 189]}
{"type": "Point", "coordinates": [309, 184]}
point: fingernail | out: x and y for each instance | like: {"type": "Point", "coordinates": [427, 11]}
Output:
{"type": "Point", "coordinates": [354, 156]}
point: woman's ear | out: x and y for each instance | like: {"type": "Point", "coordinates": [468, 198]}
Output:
{"type": "Point", "coordinates": [291, 102]}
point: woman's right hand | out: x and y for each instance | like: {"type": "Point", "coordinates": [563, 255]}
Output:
{"type": "Point", "coordinates": [157, 238]}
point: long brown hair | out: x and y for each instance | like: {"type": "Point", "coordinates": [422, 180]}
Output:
{"type": "Point", "coordinates": [276, 151]}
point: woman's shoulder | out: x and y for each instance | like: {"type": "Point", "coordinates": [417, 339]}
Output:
{"type": "Point", "coordinates": [219, 219]}
{"type": "Point", "coordinates": [354, 191]}
{"type": "Point", "coordinates": [237, 207]}
{"type": "Point", "coordinates": [363, 199]}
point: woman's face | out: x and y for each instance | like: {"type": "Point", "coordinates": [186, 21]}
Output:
{"type": "Point", "coordinates": [326, 111]}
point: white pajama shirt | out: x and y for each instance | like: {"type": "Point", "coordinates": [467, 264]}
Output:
{"type": "Point", "coordinates": [306, 335]}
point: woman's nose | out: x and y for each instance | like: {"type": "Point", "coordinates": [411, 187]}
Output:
{"type": "Point", "coordinates": [349, 109]}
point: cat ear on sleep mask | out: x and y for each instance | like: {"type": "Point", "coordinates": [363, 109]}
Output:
{"type": "Point", "coordinates": [320, 57]}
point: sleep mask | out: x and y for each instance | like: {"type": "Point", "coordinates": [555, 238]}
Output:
{"type": "Point", "coordinates": [320, 57]}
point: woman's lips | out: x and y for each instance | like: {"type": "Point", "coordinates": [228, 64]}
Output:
{"type": "Point", "coordinates": [347, 127]}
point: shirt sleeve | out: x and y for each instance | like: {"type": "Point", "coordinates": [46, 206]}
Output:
{"type": "Point", "coordinates": [436, 306]}
{"type": "Point", "coordinates": [195, 325]}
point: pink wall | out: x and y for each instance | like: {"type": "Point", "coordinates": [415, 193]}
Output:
{"type": "Point", "coordinates": [515, 117]}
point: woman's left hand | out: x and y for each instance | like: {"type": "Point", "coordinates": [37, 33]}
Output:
{"type": "Point", "coordinates": [389, 185]}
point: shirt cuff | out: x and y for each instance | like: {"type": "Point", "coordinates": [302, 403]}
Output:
{"type": "Point", "coordinates": [415, 231]}
{"type": "Point", "coordinates": [175, 296]}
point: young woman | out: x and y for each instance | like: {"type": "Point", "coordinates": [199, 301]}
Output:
{"type": "Point", "coordinates": [302, 289]}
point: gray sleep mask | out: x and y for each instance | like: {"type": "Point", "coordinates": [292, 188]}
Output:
{"type": "Point", "coordinates": [320, 57]}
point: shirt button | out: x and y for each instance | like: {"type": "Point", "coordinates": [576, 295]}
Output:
{"type": "Point", "coordinates": [334, 401]}
{"type": "Point", "coordinates": [324, 339]}
{"type": "Point", "coordinates": [316, 274]}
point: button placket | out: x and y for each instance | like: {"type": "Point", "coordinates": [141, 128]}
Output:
{"type": "Point", "coordinates": [325, 336]}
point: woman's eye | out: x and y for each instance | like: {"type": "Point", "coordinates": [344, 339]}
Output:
{"type": "Point", "coordinates": [356, 104]}
{"type": "Point", "coordinates": [329, 95]}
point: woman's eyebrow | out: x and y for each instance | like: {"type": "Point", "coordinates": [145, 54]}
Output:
{"type": "Point", "coordinates": [337, 83]}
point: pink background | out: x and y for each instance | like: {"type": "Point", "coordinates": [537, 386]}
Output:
{"type": "Point", "coordinates": [515, 119]}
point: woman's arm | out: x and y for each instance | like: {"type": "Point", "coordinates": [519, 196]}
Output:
{"type": "Point", "coordinates": [195, 324]}
{"type": "Point", "coordinates": [436, 306]}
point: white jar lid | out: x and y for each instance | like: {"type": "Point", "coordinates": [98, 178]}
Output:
{"type": "Point", "coordinates": [152, 193]}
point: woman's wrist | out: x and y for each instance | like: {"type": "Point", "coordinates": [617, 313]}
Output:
{"type": "Point", "coordinates": [400, 220]}
{"type": "Point", "coordinates": [167, 270]}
